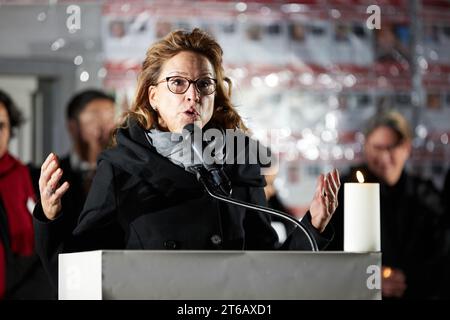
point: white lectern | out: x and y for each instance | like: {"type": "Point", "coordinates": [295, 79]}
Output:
{"type": "Point", "coordinates": [218, 275]}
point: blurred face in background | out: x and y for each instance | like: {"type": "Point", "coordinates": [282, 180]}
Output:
{"type": "Point", "coordinates": [93, 129]}
{"type": "Point", "coordinates": [386, 154]}
{"type": "Point", "coordinates": [96, 122]}
{"type": "Point", "coordinates": [5, 132]}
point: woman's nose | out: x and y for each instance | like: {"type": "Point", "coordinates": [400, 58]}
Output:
{"type": "Point", "coordinates": [192, 93]}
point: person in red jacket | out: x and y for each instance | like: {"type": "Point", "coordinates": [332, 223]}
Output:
{"type": "Point", "coordinates": [17, 259]}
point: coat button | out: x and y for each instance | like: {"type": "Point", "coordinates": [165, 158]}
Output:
{"type": "Point", "coordinates": [216, 239]}
{"type": "Point", "coordinates": [170, 244]}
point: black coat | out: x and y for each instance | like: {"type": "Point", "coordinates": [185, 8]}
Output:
{"type": "Point", "coordinates": [446, 198]}
{"type": "Point", "coordinates": [445, 292]}
{"type": "Point", "coordinates": [411, 230]}
{"type": "Point", "coordinates": [25, 276]}
{"type": "Point", "coordinates": [141, 200]}
{"type": "Point", "coordinates": [274, 202]}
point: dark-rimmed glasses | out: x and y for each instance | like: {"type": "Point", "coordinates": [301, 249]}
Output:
{"type": "Point", "coordinates": [179, 85]}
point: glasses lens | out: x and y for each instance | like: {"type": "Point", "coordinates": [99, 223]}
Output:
{"type": "Point", "coordinates": [178, 84]}
{"type": "Point", "coordinates": [206, 85]}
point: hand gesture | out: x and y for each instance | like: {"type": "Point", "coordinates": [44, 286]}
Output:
{"type": "Point", "coordinates": [48, 186]}
{"type": "Point", "coordinates": [325, 199]}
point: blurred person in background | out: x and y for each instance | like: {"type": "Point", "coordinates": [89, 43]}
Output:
{"type": "Point", "coordinates": [21, 273]}
{"type": "Point", "coordinates": [90, 122]}
{"type": "Point", "coordinates": [411, 212]}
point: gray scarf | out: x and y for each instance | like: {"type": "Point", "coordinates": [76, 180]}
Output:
{"type": "Point", "coordinates": [177, 150]}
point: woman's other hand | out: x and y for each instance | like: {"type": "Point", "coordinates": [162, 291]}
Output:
{"type": "Point", "coordinates": [325, 199]}
{"type": "Point", "coordinates": [49, 188]}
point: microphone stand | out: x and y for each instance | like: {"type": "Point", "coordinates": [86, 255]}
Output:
{"type": "Point", "coordinates": [255, 207]}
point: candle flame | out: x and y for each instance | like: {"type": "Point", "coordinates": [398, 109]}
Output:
{"type": "Point", "coordinates": [359, 176]}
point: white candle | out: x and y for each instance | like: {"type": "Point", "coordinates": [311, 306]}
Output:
{"type": "Point", "coordinates": [361, 217]}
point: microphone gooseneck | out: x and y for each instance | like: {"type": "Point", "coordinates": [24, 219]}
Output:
{"type": "Point", "coordinates": [311, 240]}
{"type": "Point", "coordinates": [218, 186]}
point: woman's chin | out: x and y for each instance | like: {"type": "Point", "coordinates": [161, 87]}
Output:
{"type": "Point", "coordinates": [197, 121]}
{"type": "Point", "coordinates": [179, 126]}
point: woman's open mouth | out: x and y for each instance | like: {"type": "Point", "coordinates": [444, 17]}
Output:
{"type": "Point", "coordinates": [192, 113]}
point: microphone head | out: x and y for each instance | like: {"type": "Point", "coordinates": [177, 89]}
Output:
{"type": "Point", "coordinates": [189, 129]}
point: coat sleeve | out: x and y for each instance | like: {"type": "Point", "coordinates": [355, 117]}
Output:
{"type": "Point", "coordinates": [97, 226]}
{"type": "Point", "coordinates": [297, 240]}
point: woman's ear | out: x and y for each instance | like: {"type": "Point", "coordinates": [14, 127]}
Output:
{"type": "Point", "coordinates": [152, 97]}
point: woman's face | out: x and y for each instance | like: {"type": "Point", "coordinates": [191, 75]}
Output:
{"type": "Point", "coordinates": [177, 110]}
{"type": "Point", "coordinates": [4, 130]}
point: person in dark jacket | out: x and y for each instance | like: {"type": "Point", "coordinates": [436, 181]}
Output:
{"type": "Point", "coordinates": [21, 272]}
{"type": "Point", "coordinates": [444, 292]}
{"type": "Point", "coordinates": [145, 194]}
{"type": "Point", "coordinates": [410, 207]}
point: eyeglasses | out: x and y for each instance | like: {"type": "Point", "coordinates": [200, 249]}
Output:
{"type": "Point", "coordinates": [388, 148]}
{"type": "Point", "coordinates": [179, 85]}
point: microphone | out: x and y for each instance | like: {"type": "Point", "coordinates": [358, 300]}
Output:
{"type": "Point", "coordinates": [209, 172]}
{"type": "Point", "coordinates": [218, 186]}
